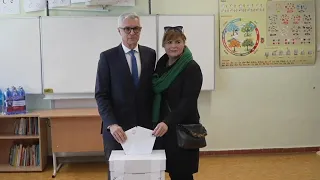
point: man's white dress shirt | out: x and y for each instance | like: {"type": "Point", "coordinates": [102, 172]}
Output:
{"type": "Point", "coordinates": [128, 56]}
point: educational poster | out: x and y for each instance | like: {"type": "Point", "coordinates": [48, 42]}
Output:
{"type": "Point", "coordinates": [267, 33]}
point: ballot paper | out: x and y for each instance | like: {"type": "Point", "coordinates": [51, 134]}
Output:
{"type": "Point", "coordinates": [139, 141]}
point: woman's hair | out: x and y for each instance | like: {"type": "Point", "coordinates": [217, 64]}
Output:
{"type": "Point", "coordinates": [172, 35]}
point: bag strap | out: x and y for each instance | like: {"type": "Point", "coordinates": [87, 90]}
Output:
{"type": "Point", "coordinates": [183, 128]}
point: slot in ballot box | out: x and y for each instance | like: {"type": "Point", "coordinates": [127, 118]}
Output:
{"type": "Point", "coordinates": [137, 167]}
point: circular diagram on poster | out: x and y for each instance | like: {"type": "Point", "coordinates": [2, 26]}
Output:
{"type": "Point", "coordinates": [240, 37]}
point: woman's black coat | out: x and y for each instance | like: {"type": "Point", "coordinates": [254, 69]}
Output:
{"type": "Point", "coordinates": [181, 96]}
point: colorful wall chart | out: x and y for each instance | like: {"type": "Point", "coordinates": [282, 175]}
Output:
{"type": "Point", "coordinates": [267, 33]}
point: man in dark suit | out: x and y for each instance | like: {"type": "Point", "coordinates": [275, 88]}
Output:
{"type": "Point", "coordinates": [123, 88]}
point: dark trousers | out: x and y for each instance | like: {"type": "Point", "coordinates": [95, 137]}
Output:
{"type": "Point", "coordinates": [109, 145]}
{"type": "Point", "coordinates": [181, 176]}
{"type": "Point", "coordinates": [159, 144]}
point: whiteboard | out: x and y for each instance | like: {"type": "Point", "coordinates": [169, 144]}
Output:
{"type": "Point", "coordinates": [72, 45]}
{"type": "Point", "coordinates": [20, 54]}
{"type": "Point", "coordinates": [200, 33]}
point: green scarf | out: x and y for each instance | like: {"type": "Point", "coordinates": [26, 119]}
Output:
{"type": "Point", "coordinates": [161, 83]}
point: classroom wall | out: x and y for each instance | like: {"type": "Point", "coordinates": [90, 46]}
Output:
{"type": "Point", "coordinates": [251, 107]}
{"type": "Point", "coordinates": [256, 108]}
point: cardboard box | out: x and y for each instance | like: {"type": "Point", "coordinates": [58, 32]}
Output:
{"type": "Point", "coordinates": [137, 167]}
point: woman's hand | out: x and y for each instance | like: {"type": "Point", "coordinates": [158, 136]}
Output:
{"type": "Point", "coordinates": [160, 130]}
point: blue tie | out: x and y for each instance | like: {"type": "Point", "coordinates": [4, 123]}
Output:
{"type": "Point", "coordinates": [134, 70]}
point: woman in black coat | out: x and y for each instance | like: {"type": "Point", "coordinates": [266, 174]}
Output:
{"type": "Point", "coordinates": [177, 85]}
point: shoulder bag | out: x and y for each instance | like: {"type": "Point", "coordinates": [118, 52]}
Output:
{"type": "Point", "coordinates": [190, 136]}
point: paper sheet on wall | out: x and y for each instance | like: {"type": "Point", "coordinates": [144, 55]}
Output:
{"type": "Point", "coordinates": [78, 1]}
{"type": "Point", "coordinates": [139, 141]}
{"type": "Point", "coordinates": [10, 7]}
{"type": "Point", "coordinates": [59, 3]}
{"type": "Point", "coordinates": [123, 2]}
{"type": "Point", "coordinates": [34, 5]}
{"type": "Point", "coordinates": [112, 2]}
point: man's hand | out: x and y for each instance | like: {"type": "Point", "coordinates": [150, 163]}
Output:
{"type": "Point", "coordinates": [117, 133]}
{"type": "Point", "coordinates": [160, 130]}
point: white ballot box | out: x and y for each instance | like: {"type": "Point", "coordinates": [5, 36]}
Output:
{"type": "Point", "coordinates": [137, 167]}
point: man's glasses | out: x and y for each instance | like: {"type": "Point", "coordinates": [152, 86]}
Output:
{"type": "Point", "coordinates": [127, 30]}
{"type": "Point", "coordinates": [175, 28]}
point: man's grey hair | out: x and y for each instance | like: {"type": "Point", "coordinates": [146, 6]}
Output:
{"type": "Point", "coordinates": [124, 16]}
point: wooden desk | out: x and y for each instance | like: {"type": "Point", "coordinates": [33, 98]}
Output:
{"type": "Point", "coordinates": [73, 130]}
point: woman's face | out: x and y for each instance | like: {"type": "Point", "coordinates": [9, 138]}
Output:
{"type": "Point", "coordinates": [174, 48]}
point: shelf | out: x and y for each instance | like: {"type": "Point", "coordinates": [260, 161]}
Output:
{"type": "Point", "coordinates": [9, 168]}
{"type": "Point", "coordinates": [12, 143]}
{"type": "Point", "coordinates": [13, 136]}
{"type": "Point", "coordinates": [31, 114]}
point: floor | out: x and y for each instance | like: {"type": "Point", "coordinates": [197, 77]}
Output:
{"type": "Point", "coordinates": [249, 167]}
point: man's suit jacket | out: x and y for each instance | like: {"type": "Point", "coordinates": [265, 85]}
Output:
{"type": "Point", "coordinates": [119, 101]}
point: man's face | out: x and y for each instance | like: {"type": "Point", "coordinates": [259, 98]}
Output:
{"type": "Point", "coordinates": [130, 31]}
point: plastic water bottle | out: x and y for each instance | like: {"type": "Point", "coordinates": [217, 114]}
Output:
{"type": "Point", "coordinates": [14, 91]}
{"type": "Point", "coordinates": [1, 102]}
{"type": "Point", "coordinates": [21, 93]}
{"type": "Point", "coordinates": [22, 99]}
{"type": "Point", "coordinates": [7, 102]}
